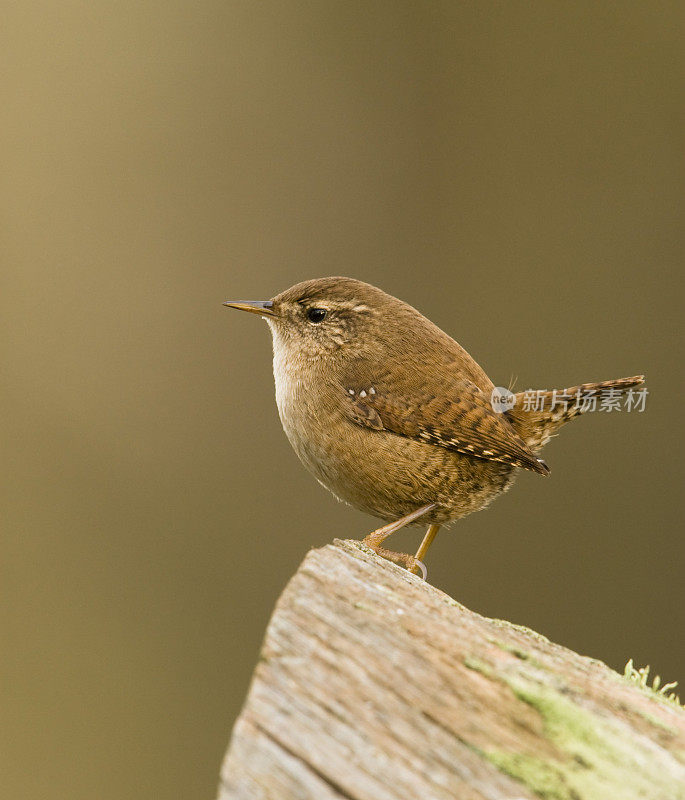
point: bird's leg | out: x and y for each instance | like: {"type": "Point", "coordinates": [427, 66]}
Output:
{"type": "Point", "coordinates": [376, 538]}
{"type": "Point", "coordinates": [431, 533]}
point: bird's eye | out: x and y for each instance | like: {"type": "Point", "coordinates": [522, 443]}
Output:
{"type": "Point", "coordinates": [316, 314]}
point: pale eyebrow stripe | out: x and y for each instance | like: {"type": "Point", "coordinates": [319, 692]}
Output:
{"type": "Point", "coordinates": [335, 306]}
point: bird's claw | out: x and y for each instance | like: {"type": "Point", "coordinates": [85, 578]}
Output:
{"type": "Point", "coordinates": [422, 567]}
{"type": "Point", "coordinates": [413, 564]}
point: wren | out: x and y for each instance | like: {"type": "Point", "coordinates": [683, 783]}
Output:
{"type": "Point", "coordinates": [393, 416]}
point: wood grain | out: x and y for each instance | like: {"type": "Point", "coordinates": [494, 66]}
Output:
{"type": "Point", "coordinates": [373, 685]}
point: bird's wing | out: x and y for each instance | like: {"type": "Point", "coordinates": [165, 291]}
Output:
{"type": "Point", "coordinates": [462, 420]}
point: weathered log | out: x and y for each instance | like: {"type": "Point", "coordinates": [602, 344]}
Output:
{"type": "Point", "coordinates": [373, 685]}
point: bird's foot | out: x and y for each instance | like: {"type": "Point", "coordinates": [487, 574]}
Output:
{"type": "Point", "coordinates": [376, 538]}
{"type": "Point", "coordinates": [411, 563]}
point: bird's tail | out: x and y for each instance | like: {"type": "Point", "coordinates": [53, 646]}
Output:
{"type": "Point", "coordinates": [537, 415]}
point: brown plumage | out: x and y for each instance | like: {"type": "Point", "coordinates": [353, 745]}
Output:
{"type": "Point", "coordinates": [464, 421]}
{"type": "Point", "coordinates": [392, 415]}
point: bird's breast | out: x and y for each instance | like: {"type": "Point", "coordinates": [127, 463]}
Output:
{"type": "Point", "coordinates": [376, 471]}
{"type": "Point", "coordinates": [302, 420]}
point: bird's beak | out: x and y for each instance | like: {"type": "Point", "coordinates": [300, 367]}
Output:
{"type": "Point", "coordinates": [261, 307]}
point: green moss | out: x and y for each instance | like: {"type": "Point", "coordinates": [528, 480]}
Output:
{"type": "Point", "coordinates": [478, 666]}
{"type": "Point", "coordinates": [537, 775]}
{"type": "Point", "coordinates": [511, 648]}
{"type": "Point", "coordinates": [564, 721]}
{"type": "Point", "coordinates": [596, 758]}
{"type": "Point", "coordinates": [656, 688]}
{"type": "Point", "coordinates": [656, 722]}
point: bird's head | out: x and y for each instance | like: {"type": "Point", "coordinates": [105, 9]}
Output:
{"type": "Point", "coordinates": [329, 316]}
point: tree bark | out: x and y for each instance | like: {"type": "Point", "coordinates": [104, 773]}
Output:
{"type": "Point", "coordinates": [373, 685]}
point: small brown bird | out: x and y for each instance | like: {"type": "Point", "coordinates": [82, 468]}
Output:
{"type": "Point", "coordinates": [393, 416]}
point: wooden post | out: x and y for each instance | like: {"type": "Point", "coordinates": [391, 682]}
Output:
{"type": "Point", "coordinates": [373, 685]}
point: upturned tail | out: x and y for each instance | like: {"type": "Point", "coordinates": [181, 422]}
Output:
{"type": "Point", "coordinates": [538, 414]}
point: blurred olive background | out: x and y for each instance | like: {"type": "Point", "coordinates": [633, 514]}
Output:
{"type": "Point", "coordinates": [513, 170]}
